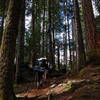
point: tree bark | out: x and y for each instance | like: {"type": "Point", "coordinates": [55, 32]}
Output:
{"type": "Point", "coordinates": [65, 36]}
{"type": "Point", "coordinates": [50, 34]}
{"type": "Point", "coordinates": [90, 28]}
{"type": "Point", "coordinates": [58, 56]}
{"type": "Point", "coordinates": [20, 47]}
{"type": "Point", "coordinates": [53, 47]}
{"type": "Point", "coordinates": [1, 29]}
{"type": "Point", "coordinates": [69, 42]}
{"type": "Point", "coordinates": [7, 51]}
{"type": "Point", "coordinates": [81, 58]}
{"type": "Point", "coordinates": [33, 43]}
{"type": "Point", "coordinates": [43, 32]}
{"type": "Point", "coordinates": [74, 45]}
{"type": "Point", "coordinates": [2, 22]}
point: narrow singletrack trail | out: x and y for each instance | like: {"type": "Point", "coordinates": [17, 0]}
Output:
{"type": "Point", "coordinates": [86, 86]}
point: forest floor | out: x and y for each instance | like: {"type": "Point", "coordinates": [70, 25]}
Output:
{"type": "Point", "coordinates": [84, 86]}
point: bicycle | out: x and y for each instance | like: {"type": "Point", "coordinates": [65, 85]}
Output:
{"type": "Point", "coordinates": [38, 80]}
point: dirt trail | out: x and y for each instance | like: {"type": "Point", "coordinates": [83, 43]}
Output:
{"type": "Point", "coordinates": [85, 87]}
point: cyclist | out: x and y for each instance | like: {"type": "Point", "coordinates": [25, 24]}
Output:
{"type": "Point", "coordinates": [40, 69]}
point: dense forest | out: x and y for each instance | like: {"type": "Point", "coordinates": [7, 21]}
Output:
{"type": "Point", "coordinates": [65, 32]}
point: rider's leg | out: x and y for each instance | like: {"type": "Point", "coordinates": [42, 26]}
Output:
{"type": "Point", "coordinates": [45, 75]}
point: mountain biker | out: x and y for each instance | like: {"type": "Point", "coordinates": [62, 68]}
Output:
{"type": "Point", "coordinates": [41, 68]}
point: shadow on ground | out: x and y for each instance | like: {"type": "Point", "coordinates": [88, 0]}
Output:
{"type": "Point", "coordinates": [32, 98]}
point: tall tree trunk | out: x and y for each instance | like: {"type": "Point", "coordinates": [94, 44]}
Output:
{"type": "Point", "coordinates": [58, 56]}
{"type": "Point", "coordinates": [81, 58]}
{"type": "Point", "coordinates": [50, 34]}
{"type": "Point", "coordinates": [47, 38]}
{"type": "Point", "coordinates": [2, 21]}
{"type": "Point", "coordinates": [89, 27]}
{"type": "Point", "coordinates": [69, 42]}
{"type": "Point", "coordinates": [43, 32]}
{"type": "Point", "coordinates": [53, 47]}
{"type": "Point", "coordinates": [7, 51]}
{"type": "Point", "coordinates": [74, 45]}
{"type": "Point", "coordinates": [65, 38]}
{"type": "Point", "coordinates": [20, 47]}
{"type": "Point", "coordinates": [33, 43]}
{"type": "Point", "coordinates": [1, 29]}
{"type": "Point", "coordinates": [53, 35]}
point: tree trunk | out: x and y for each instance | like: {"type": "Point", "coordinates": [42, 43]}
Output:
{"type": "Point", "coordinates": [53, 47]}
{"type": "Point", "coordinates": [7, 51]}
{"type": "Point", "coordinates": [2, 21]}
{"type": "Point", "coordinates": [58, 56]}
{"type": "Point", "coordinates": [81, 58]}
{"type": "Point", "coordinates": [33, 43]}
{"type": "Point", "coordinates": [20, 50]}
{"type": "Point", "coordinates": [1, 29]}
{"type": "Point", "coordinates": [90, 28]}
{"type": "Point", "coordinates": [53, 36]}
{"type": "Point", "coordinates": [69, 43]}
{"type": "Point", "coordinates": [50, 35]}
{"type": "Point", "coordinates": [65, 38]}
{"type": "Point", "coordinates": [43, 32]}
{"type": "Point", "coordinates": [74, 57]}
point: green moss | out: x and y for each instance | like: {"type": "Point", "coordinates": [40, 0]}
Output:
{"type": "Point", "coordinates": [82, 71]}
{"type": "Point", "coordinates": [68, 86]}
{"type": "Point", "coordinates": [98, 67]}
{"type": "Point", "coordinates": [94, 86]}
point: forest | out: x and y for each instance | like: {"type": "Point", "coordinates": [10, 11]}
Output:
{"type": "Point", "coordinates": [49, 49]}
